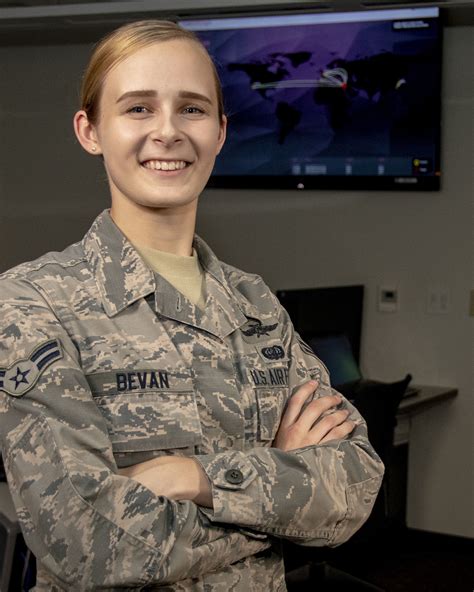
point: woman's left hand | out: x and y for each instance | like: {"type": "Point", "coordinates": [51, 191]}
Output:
{"type": "Point", "coordinates": [175, 477]}
{"type": "Point", "coordinates": [308, 422]}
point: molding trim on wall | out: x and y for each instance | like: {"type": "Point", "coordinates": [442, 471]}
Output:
{"type": "Point", "coordinates": [34, 22]}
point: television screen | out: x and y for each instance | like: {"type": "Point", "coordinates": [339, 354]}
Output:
{"type": "Point", "coordinates": [319, 313]}
{"type": "Point", "coordinates": [347, 100]}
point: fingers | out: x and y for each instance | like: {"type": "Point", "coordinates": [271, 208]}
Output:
{"type": "Point", "coordinates": [296, 403]}
{"type": "Point", "coordinates": [309, 422]}
{"type": "Point", "coordinates": [315, 411]}
{"type": "Point", "coordinates": [327, 424]}
{"type": "Point", "coordinates": [339, 432]}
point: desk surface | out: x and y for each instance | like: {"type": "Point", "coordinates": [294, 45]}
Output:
{"type": "Point", "coordinates": [427, 397]}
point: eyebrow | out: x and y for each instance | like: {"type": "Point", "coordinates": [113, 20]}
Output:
{"type": "Point", "coordinates": [137, 93]}
{"type": "Point", "coordinates": [183, 94]}
{"type": "Point", "coordinates": [188, 94]}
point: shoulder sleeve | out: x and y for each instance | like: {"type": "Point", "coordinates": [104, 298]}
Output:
{"type": "Point", "coordinates": [88, 526]}
{"type": "Point", "coordinates": [318, 495]}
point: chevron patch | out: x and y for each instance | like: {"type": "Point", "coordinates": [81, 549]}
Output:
{"type": "Point", "coordinates": [23, 374]}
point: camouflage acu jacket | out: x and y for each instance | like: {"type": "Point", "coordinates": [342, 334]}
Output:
{"type": "Point", "coordinates": [104, 364]}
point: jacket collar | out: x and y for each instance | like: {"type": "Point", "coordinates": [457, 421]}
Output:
{"type": "Point", "coordinates": [121, 274]}
{"type": "Point", "coordinates": [123, 278]}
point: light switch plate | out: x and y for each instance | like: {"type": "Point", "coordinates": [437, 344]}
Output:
{"type": "Point", "coordinates": [438, 300]}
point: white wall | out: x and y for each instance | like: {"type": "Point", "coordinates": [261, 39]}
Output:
{"type": "Point", "coordinates": [50, 191]}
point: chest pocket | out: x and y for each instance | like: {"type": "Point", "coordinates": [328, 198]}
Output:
{"type": "Point", "coordinates": [270, 405]}
{"type": "Point", "coordinates": [147, 410]}
{"type": "Point", "coordinates": [264, 369]}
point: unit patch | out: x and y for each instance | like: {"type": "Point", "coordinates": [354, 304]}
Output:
{"type": "Point", "coordinates": [274, 352]}
{"type": "Point", "coordinates": [23, 374]}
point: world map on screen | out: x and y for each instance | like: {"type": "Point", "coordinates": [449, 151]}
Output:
{"type": "Point", "coordinates": [375, 76]}
{"type": "Point", "coordinates": [325, 91]}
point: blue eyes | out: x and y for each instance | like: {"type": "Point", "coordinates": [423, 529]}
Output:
{"type": "Point", "coordinates": [137, 109]}
{"type": "Point", "coordinates": [193, 110]}
{"type": "Point", "coordinates": [142, 110]}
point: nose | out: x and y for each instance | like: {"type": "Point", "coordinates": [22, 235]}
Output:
{"type": "Point", "coordinates": [166, 129]}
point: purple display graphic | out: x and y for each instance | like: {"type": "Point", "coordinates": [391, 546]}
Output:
{"type": "Point", "coordinates": [299, 96]}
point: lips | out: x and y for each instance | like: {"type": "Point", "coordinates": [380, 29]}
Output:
{"type": "Point", "coordinates": [165, 165]}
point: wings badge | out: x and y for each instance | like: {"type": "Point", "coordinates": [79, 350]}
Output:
{"type": "Point", "coordinates": [255, 328]}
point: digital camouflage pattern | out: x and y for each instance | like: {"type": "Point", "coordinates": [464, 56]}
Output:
{"type": "Point", "coordinates": [140, 372]}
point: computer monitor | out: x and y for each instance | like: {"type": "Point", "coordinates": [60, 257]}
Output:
{"type": "Point", "coordinates": [329, 320]}
{"type": "Point", "coordinates": [336, 353]}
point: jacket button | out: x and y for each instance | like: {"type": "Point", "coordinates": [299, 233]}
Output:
{"type": "Point", "coordinates": [234, 476]}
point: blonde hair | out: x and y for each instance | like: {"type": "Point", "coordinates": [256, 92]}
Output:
{"type": "Point", "coordinates": [123, 42]}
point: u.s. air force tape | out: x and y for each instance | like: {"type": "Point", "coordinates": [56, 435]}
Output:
{"type": "Point", "coordinates": [23, 374]}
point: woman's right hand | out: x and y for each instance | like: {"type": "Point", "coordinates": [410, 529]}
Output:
{"type": "Point", "coordinates": [316, 423]}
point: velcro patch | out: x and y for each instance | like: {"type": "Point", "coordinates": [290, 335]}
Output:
{"type": "Point", "coordinates": [269, 377]}
{"type": "Point", "coordinates": [255, 330]}
{"type": "Point", "coordinates": [23, 374]}
{"type": "Point", "coordinates": [273, 352]}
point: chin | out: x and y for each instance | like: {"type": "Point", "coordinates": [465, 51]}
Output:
{"type": "Point", "coordinates": [171, 200]}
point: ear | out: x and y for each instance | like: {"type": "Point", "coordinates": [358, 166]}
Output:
{"type": "Point", "coordinates": [222, 134]}
{"type": "Point", "coordinates": [86, 133]}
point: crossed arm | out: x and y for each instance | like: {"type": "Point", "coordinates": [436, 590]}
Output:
{"type": "Point", "coordinates": [182, 478]}
{"type": "Point", "coordinates": [315, 485]}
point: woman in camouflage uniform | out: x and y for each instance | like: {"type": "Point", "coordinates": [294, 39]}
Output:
{"type": "Point", "coordinates": [162, 424]}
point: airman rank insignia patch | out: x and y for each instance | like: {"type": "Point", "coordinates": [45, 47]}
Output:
{"type": "Point", "coordinates": [23, 374]}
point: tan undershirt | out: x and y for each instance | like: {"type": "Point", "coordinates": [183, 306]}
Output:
{"type": "Point", "coordinates": [184, 273]}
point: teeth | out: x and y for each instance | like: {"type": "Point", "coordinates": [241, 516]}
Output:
{"type": "Point", "coordinates": [165, 165]}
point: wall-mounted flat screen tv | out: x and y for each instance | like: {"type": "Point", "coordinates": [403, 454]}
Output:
{"type": "Point", "coordinates": [347, 100]}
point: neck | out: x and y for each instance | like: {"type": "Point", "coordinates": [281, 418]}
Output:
{"type": "Point", "coordinates": [165, 229]}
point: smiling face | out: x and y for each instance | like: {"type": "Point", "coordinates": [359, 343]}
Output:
{"type": "Point", "coordinates": [158, 128]}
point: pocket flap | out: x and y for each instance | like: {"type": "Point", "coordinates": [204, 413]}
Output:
{"type": "Point", "coordinates": [147, 410]}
